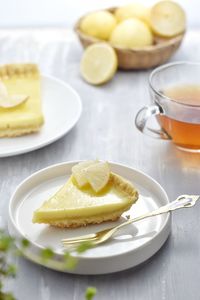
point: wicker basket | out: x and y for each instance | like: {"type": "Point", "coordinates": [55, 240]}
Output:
{"type": "Point", "coordinates": [138, 58]}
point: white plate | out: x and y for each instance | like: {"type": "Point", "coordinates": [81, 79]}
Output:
{"type": "Point", "coordinates": [61, 107]}
{"type": "Point", "coordinates": [130, 247]}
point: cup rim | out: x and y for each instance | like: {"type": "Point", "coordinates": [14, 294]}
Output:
{"type": "Point", "coordinates": [167, 66]}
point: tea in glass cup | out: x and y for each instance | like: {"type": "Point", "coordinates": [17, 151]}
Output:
{"type": "Point", "coordinates": [175, 93]}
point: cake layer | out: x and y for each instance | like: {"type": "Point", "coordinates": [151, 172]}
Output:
{"type": "Point", "coordinates": [81, 222]}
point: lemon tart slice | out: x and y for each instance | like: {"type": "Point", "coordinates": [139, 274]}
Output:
{"type": "Point", "coordinates": [21, 84]}
{"type": "Point", "coordinates": [75, 206]}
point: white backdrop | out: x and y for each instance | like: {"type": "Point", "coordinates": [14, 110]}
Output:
{"type": "Point", "coordinates": [20, 13]}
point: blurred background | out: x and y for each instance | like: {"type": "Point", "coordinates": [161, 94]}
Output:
{"type": "Point", "coordinates": [54, 13]}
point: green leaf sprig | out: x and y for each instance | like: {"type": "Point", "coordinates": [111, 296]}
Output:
{"type": "Point", "coordinates": [90, 293]}
{"type": "Point", "coordinates": [7, 247]}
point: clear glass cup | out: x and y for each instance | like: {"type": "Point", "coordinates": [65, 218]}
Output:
{"type": "Point", "coordinates": [179, 121]}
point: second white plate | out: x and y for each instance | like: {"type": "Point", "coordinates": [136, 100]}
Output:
{"type": "Point", "coordinates": [130, 247]}
{"type": "Point", "coordinates": [62, 109]}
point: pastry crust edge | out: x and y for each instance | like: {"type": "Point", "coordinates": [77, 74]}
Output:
{"type": "Point", "coordinates": [18, 132]}
{"type": "Point", "coordinates": [18, 70]}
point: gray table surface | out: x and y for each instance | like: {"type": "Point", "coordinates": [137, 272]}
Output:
{"type": "Point", "coordinates": [106, 131]}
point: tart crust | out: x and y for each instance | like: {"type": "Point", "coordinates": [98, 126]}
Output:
{"type": "Point", "coordinates": [18, 131]}
{"type": "Point", "coordinates": [19, 70]}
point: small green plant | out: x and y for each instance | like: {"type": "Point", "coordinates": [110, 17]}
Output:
{"type": "Point", "coordinates": [90, 293]}
{"type": "Point", "coordinates": [7, 270]}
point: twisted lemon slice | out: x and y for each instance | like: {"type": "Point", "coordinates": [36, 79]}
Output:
{"type": "Point", "coordinates": [75, 206]}
{"type": "Point", "coordinates": [78, 171]}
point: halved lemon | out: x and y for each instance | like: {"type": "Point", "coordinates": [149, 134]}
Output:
{"type": "Point", "coordinates": [78, 171]}
{"type": "Point", "coordinates": [99, 63]}
{"type": "Point", "coordinates": [98, 175]}
{"type": "Point", "coordinates": [167, 19]}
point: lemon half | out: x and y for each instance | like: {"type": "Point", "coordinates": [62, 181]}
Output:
{"type": "Point", "coordinates": [167, 19]}
{"type": "Point", "coordinates": [98, 63]}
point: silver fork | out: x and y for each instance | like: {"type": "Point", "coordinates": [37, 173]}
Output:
{"type": "Point", "coordinates": [183, 201]}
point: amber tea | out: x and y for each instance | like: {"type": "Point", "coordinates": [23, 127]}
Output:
{"type": "Point", "coordinates": [175, 102]}
{"type": "Point", "coordinates": [183, 131]}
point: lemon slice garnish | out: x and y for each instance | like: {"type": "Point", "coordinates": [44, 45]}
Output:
{"type": "Point", "coordinates": [7, 101]}
{"type": "Point", "coordinates": [167, 19]}
{"type": "Point", "coordinates": [3, 91]}
{"type": "Point", "coordinates": [98, 175]}
{"type": "Point", "coordinates": [99, 63]}
{"type": "Point", "coordinates": [13, 100]}
{"type": "Point", "coordinates": [78, 171]}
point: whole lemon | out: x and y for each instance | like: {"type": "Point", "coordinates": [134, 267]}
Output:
{"type": "Point", "coordinates": [133, 10]}
{"type": "Point", "coordinates": [131, 33]}
{"type": "Point", "coordinates": [98, 24]}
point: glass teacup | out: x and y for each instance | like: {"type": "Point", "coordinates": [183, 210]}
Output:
{"type": "Point", "coordinates": [175, 95]}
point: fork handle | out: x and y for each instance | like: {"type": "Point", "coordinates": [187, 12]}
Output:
{"type": "Point", "coordinates": [183, 201]}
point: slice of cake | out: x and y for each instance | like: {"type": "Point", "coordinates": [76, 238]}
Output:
{"type": "Point", "coordinates": [22, 84]}
{"type": "Point", "coordinates": [103, 197]}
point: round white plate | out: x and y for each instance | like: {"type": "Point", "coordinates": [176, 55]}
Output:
{"type": "Point", "coordinates": [130, 247]}
{"type": "Point", "coordinates": [62, 109]}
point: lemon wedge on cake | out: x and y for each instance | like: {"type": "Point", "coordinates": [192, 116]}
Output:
{"type": "Point", "coordinates": [12, 100]}
{"type": "Point", "coordinates": [98, 175]}
{"type": "Point", "coordinates": [103, 197]}
{"type": "Point", "coordinates": [78, 172]}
